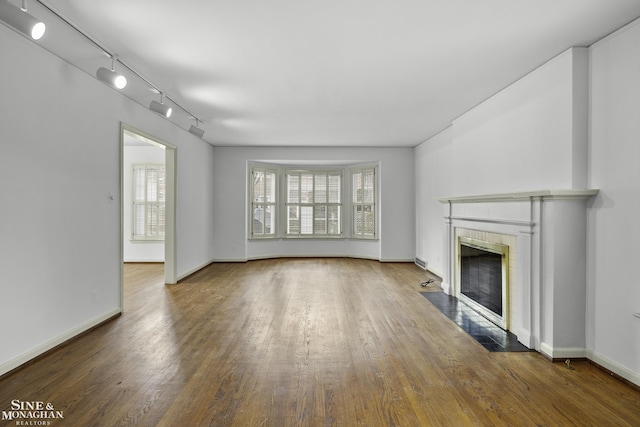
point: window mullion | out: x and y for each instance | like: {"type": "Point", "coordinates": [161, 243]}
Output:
{"type": "Point", "coordinates": [146, 203]}
{"type": "Point", "coordinates": [313, 203]}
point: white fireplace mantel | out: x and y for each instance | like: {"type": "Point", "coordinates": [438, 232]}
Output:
{"type": "Point", "coordinates": [523, 195]}
{"type": "Point", "coordinates": [550, 230]}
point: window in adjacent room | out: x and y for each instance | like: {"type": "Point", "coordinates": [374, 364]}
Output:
{"type": "Point", "coordinates": [363, 202]}
{"type": "Point", "coordinates": [263, 202]}
{"type": "Point", "coordinates": [313, 203]}
{"type": "Point", "coordinates": [149, 196]}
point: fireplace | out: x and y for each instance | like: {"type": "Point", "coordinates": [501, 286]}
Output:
{"type": "Point", "coordinates": [483, 278]}
{"type": "Point", "coordinates": [545, 262]}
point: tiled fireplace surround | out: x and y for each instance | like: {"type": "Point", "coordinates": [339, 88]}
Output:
{"type": "Point", "coordinates": [546, 234]}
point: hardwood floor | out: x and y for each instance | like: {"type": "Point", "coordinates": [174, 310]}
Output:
{"type": "Point", "coordinates": [304, 342]}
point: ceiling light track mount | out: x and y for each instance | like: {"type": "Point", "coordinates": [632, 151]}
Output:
{"type": "Point", "coordinates": [111, 77]}
{"type": "Point", "coordinates": [195, 130]}
{"type": "Point", "coordinates": [19, 19]}
{"type": "Point", "coordinates": [160, 108]}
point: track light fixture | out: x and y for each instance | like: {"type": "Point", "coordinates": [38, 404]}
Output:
{"type": "Point", "coordinates": [160, 108]}
{"type": "Point", "coordinates": [21, 20]}
{"type": "Point", "coordinates": [196, 130]}
{"type": "Point", "coordinates": [110, 77]}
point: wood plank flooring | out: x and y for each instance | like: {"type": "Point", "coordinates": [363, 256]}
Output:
{"type": "Point", "coordinates": [304, 342]}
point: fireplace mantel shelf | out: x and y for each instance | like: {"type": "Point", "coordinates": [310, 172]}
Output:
{"type": "Point", "coordinates": [524, 195]}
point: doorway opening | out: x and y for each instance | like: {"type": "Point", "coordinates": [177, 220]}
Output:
{"type": "Point", "coordinates": [148, 173]}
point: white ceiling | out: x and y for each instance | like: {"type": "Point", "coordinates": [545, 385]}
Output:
{"type": "Point", "coordinates": [325, 73]}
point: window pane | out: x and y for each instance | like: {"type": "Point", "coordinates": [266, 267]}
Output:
{"type": "Point", "coordinates": [138, 184]}
{"type": "Point", "coordinates": [357, 187]}
{"type": "Point", "coordinates": [320, 188]}
{"type": "Point", "coordinates": [152, 220]}
{"type": "Point", "coordinates": [138, 220]}
{"type": "Point", "coordinates": [357, 219]}
{"type": "Point", "coordinates": [263, 219]}
{"type": "Point", "coordinates": [306, 188]}
{"type": "Point", "coordinates": [306, 220]}
{"type": "Point", "coordinates": [161, 219]}
{"type": "Point", "coordinates": [269, 220]}
{"type": "Point", "coordinates": [333, 220]}
{"type": "Point", "coordinates": [293, 188]}
{"type": "Point", "coordinates": [335, 186]}
{"type": "Point", "coordinates": [368, 186]}
{"type": "Point", "coordinates": [364, 220]}
{"type": "Point", "coordinates": [152, 185]}
{"type": "Point", "coordinates": [320, 220]}
{"type": "Point", "coordinates": [368, 223]}
{"type": "Point", "coordinates": [258, 186]}
{"type": "Point", "coordinates": [258, 220]}
{"type": "Point", "coordinates": [162, 187]}
{"type": "Point", "coordinates": [270, 187]}
{"type": "Point", "coordinates": [293, 220]}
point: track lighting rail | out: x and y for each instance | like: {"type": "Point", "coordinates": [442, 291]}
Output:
{"type": "Point", "coordinates": [118, 59]}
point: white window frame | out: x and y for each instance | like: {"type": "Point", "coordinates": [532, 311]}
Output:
{"type": "Point", "coordinates": [149, 206]}
{"type": "Point", "coordinates": [361, 206]}
{"type": "Point", "coordinates": [313, 205]}
{"type": "Point", "coordinates": [256, 204]}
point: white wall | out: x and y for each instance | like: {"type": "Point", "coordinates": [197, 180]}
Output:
{"type": "Point", "coordinates": [140, 250]}
{"type": "Point", "coordinates": [525, 137]}
{"type": "Point", "coordinates": [396, 192]}
{"type": "Point", "coordinates": [613, 292]}
{"type": "Point", "coordinates": [59, 161]}
{"type": "Point", "coordinates": [433, 179]}
{"type": "Point", "coordinates": [530, 136]}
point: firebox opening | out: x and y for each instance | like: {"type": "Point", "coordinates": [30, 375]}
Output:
{"type": "Point", "coordinates": [483, 283]}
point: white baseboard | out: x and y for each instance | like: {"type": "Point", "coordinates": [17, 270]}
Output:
{"type": "Point", "coordinates": [436, 272]}
{"type": "Point", "coordinates": [583, 353]}
{"type": "Point", "coordinates": [524, 337]}
{"type": "Point", "coordinates": [295, 255]}
{"type": "Point", "coordinates": [563, 353]}
{"type": "Point", "coordinates": [616, 368]}
{"type": "Point", "coordinates": [195, 269]}
{"type": "Point", "coordinates": [46, 346]}
{"type": "Point", "coordinates": [218, 260]}
{"type": "Point", "coordinates": [446, 288]}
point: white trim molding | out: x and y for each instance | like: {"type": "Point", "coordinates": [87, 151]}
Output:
{"type": "Point", "coordinates": [563, 353]}
{"type": "Point", "coordinates": [521, 196]}
{"type": "Point", "coordinates": [614, 367]}
{"type": "Point", "coordinates": [56, 341]}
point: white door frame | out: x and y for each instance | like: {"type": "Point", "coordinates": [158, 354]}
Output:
{"type": "Point", "coordinates": [170, 256]}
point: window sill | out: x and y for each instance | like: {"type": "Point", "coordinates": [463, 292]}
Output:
{"type": "Point", "coordinates": [297, 238]}
{"type": "Point", "coordinates": [283, 238]}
